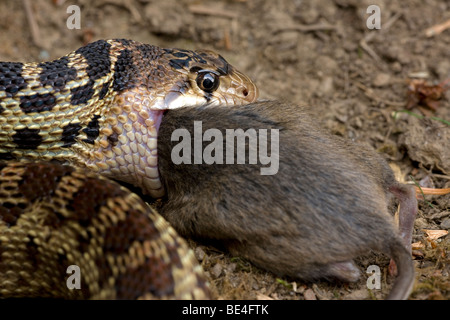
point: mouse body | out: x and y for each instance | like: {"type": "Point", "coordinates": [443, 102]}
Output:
{"type": "Point", "coordinates": [326, 204]}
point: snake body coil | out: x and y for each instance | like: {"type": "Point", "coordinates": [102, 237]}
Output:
{"type": "Point", "coordinates": [97, 111]}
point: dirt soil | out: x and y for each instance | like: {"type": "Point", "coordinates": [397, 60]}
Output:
{"type": "Point", "coordinates": [318, 53]}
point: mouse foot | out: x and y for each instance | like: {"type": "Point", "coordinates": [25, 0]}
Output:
{"type": "Point", "coordinates": [346, 271]}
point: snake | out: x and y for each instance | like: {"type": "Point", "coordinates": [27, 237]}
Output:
{"type": "Point", "coordinates": [71, 129]}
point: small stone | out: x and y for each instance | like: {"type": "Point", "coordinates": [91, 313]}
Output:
{"type": "Point", "coordinates": [327, 65]}
{"type": "Point", "coordinates": [358, 123]}
{"type": "Point", "coordinates": [361, 294]}
{"type": "Point", "coordinates": [326, 86]}
{"type": "Point", "coordinates": [342, 117]}
{"type": "Point", "coordinates": [445, 224]}
{"type": "Point", "coordinates": [320, 294]}
{"type": "Point", "coordinates": [443, 69]}
{"type": "Point", "coordinates": [381, 80]}
{"type": "Point", "coordinates": [308, 15]}
{"type": "Point", "coordinates": [216, 271]}
{"type": "Point", "coordinates": [396, 67]}
{"type": "Point", "coordinates": [309, 295]}
{"type": "Point", "coordinates": [199, 253]}
{"type": "Point", "coordinates": [231, 267]}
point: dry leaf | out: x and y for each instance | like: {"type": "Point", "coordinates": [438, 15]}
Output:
{"type": "Point", "coordinates": [437, 28]}
{"type": "Point", "coordinates": [260, 296]}
{"type": "Point", "coordinates": [435, 234]}
{"type": "Point", "coordinates": [417, 245]}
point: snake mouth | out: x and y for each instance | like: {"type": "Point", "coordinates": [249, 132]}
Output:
{"type": "Point", "coordinates": [230, 92]}
{"type": "Point", "coordinates": [157, 116]}
{"type": "Point", "coordinates": [235, 89]}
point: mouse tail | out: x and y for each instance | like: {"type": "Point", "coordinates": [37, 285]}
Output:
{"type": "Point", "coordinates": [405, 280]}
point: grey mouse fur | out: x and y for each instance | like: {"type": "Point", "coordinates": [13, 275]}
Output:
{"type": "Point", "coordinates": [327, 205]}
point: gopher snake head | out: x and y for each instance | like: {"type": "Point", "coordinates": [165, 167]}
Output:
{"type": "Point", "coordinates": [202, 77]}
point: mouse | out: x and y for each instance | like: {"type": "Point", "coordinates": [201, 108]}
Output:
{"type": "Point", "coordinates": [301, 202]}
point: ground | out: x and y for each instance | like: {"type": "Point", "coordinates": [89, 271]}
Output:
{"type": "Point", "coordinates": [318, 53]}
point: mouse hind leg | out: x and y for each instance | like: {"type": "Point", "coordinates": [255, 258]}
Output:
{"type": "Point", "coordinates": [406, 196]}
{"type": "Point", "coordinates": [345, 271]}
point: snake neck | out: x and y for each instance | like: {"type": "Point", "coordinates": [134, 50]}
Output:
{"type": "Point", "coordinates": [90, 108]}
{"type": "Point", "coordinates": [127, 150]}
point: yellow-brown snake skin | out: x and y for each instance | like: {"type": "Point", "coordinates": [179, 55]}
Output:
{"type": "Point", "coordinates": [68, 125]}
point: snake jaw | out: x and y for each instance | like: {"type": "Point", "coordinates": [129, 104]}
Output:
{"type": "Point", "coordinates": [178, 99]}
{"type": "Point", "coordinates": [234, 89]}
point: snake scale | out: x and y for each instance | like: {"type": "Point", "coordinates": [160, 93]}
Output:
{"type": "Point", "coordinates": [67, 127]}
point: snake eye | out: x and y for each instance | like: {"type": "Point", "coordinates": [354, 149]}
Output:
{"type": "Point", "coordinates": [208, 81]}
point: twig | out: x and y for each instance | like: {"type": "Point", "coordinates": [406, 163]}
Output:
{"type": "Point", "coordinates": [123, 4]}
{"type": "Point", "coordinates": [440, 215]}
{"type": "Point", "coordinates": [363, 44]}
{"type": "Point", "coordinates": [369, 93]}
{"type": "Point", "coordinates": [392, 20]}
{"type": "Point", "coordinates": [433, 191]}
{"type": "Point", "coordinates": [232, 16]}
{"type": "Point", "coordinates": [437, 29]}
{"type": "Point", "coordinates": [443, 176]}
{"type": "Point", "coordinates": [199, 9]}
{"type": "Point", "coordinates": [34, 28]}
{"type": "Point", "coordinates": [226, 39]}
{"type": "Point", "coordinates": [306, 28]}
{"type": "Point", "coordinates": [368, 37]}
